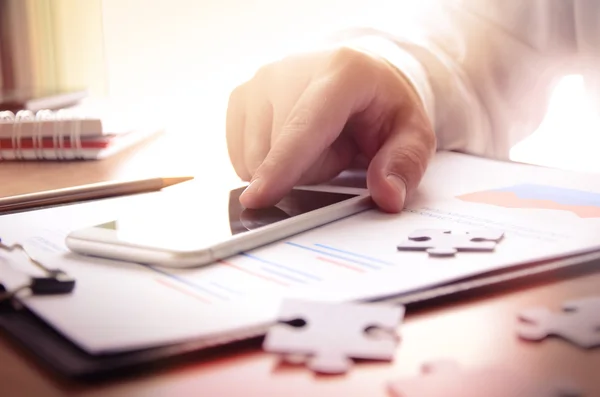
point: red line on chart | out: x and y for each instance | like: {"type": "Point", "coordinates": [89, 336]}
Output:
{"type": "Point", "coordinates": [178, 288]}
{"type": "Point", "coordinates": [356, 269]}
{"type": "Point", "coordinates": [241, 269]}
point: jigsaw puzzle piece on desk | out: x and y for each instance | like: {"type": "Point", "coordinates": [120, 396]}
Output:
{"type": "Point", "coordinates": [588, 307]}
{"type": "Point", "coordinates": [447, 379]}
{"type": "Point", "coordinates": [328, 335]}
{"type": "Point", "coordinates": [442, 242]}
{"type": "Point", "coordinates": [579, 323]}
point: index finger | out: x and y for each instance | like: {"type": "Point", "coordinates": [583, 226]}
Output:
{"type": "Point", "coordinates": [316, 120]}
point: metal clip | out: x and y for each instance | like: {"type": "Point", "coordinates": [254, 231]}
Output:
{"type": "Point", "coordinates": [55, 282]}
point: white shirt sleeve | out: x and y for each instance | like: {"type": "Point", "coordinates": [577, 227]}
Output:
{"type": "Point", "coordinates": [485, 69]}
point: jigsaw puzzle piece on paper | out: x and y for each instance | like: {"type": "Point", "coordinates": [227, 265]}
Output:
{"type": "Point", "coordinates": [447, 379]}
{"type": "Point", "coordinates": [328, 335]}
{"type": "Point", "coordinates": [442, 242]}
{"type": "Point", "coordinates": [579, 323]}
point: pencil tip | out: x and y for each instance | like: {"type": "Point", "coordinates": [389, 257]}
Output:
{"type": "Point", "coordinates": [169, 181]}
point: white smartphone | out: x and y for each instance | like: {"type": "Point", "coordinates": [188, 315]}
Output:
{"type": "Point", "coordinates": [186, 229]}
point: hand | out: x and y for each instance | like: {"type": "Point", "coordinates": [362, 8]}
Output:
{"type": "Point", "coordinates": [306, 118]}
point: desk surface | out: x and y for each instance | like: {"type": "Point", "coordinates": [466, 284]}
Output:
{"type": "Point", "coordinates": [474, 332]}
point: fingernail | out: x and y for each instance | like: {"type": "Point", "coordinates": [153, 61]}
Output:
{"type": "Point", "coordinates": [251, 191]}
{"type": "Point", "coordinates": [399, 185]}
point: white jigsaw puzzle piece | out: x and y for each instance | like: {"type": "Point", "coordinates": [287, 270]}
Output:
{"type": "Point", "coordinates": [334, 333]}
{"type": "Point", "coordinates": [586, 307]}
{"type": "Point", "coordinates": [579, 322]}
{"type": "Point", "coordinates": [441, 242]}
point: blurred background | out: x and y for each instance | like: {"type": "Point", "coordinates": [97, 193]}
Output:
{"type": "Point", "coordinates": [184, 56]}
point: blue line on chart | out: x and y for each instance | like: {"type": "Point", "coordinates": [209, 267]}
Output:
{"type": "Point", "coordinates": [224, 288]}
{"type": "Point", "coordinates": [188, 283]}
{"type": "Point", "coordinates": [289, 269]}
{"type": "Point", "coordinates": [354, 254]}
{"type": "Point", "coordinates": [369, 265]}
{"type": "Point", "coordinates": [282, 275]}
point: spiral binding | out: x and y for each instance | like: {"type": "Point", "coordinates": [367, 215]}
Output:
{"type": "Point", "coordinates": [65, 124]}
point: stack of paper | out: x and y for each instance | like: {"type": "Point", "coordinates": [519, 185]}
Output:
{"type": "Point", "coordinates": [122, 306]}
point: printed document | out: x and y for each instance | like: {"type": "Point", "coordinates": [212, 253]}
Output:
{"type": "Point", "coordinates": [118, 306]}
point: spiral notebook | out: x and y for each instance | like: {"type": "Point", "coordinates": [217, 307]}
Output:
{"type": "Point", "coordinates": [70, 134]}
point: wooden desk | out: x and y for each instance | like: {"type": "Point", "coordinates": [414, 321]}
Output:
{"type": "Point", "coordinates": [474, 332]}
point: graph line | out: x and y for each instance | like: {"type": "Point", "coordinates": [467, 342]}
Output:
{"type": "Point", "coordinates": [225, 288]}
{"type": "Point", "coordinates": [179, 289]}
{"type": "Point", "coordinates": [361, 263]}
{"type": "Point", "coordinates": [283, 275]}
{"type": "Point", "coordinates": [354, 254]}
{"type": "Point", "coordinates": [289, 269]}
{"type": "Point", "coordinates": [251, 273]}
{"type": "Point", "coordinates": [188, 283]}
{"type": "Point", "coordinates": [344, 265]}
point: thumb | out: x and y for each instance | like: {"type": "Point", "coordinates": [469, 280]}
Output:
{"type": "Point", "coordinates": [399, 165]}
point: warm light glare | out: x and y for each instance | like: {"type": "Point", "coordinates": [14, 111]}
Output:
{"type": "Point", "coordinates": [569, 136]}
{"type": "Point", "coordinates": [187, 55]}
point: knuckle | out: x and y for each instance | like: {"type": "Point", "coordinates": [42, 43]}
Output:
{"type": "Point", "coordinates": [350, 63]}
{"type": "Point", "coordinates": [429, 140]}
{"type": "Point", "coordinates": [265, 80]}
{"type": "Point", "coordinates": [347, 55]}
{"type": "Point", "coordinates": [237, 95]}
{"type": "Point", "coordinates": [263, 72]}
{"type": "Point", "coordinates": [424, 136]}
{"type": "Point", "coordinates": [410, 161]}
{"type": "Point", "coordinates": [298, 121]}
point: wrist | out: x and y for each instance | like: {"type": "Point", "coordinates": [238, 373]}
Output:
{"type": "Point", "coordinates": [404, 62]}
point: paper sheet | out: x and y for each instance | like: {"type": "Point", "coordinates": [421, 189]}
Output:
{"type": "Point", "coordinates": [122, 306]}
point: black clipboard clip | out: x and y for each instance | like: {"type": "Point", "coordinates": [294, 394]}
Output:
{"type": "Point", "coordinates": [55, 282]}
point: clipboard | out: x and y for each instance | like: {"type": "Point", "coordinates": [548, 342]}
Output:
{"type": "Point", "coordinates": [63, 358]}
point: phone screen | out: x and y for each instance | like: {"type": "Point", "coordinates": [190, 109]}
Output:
{"type": "Point", "coordinates": [194, 221]}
